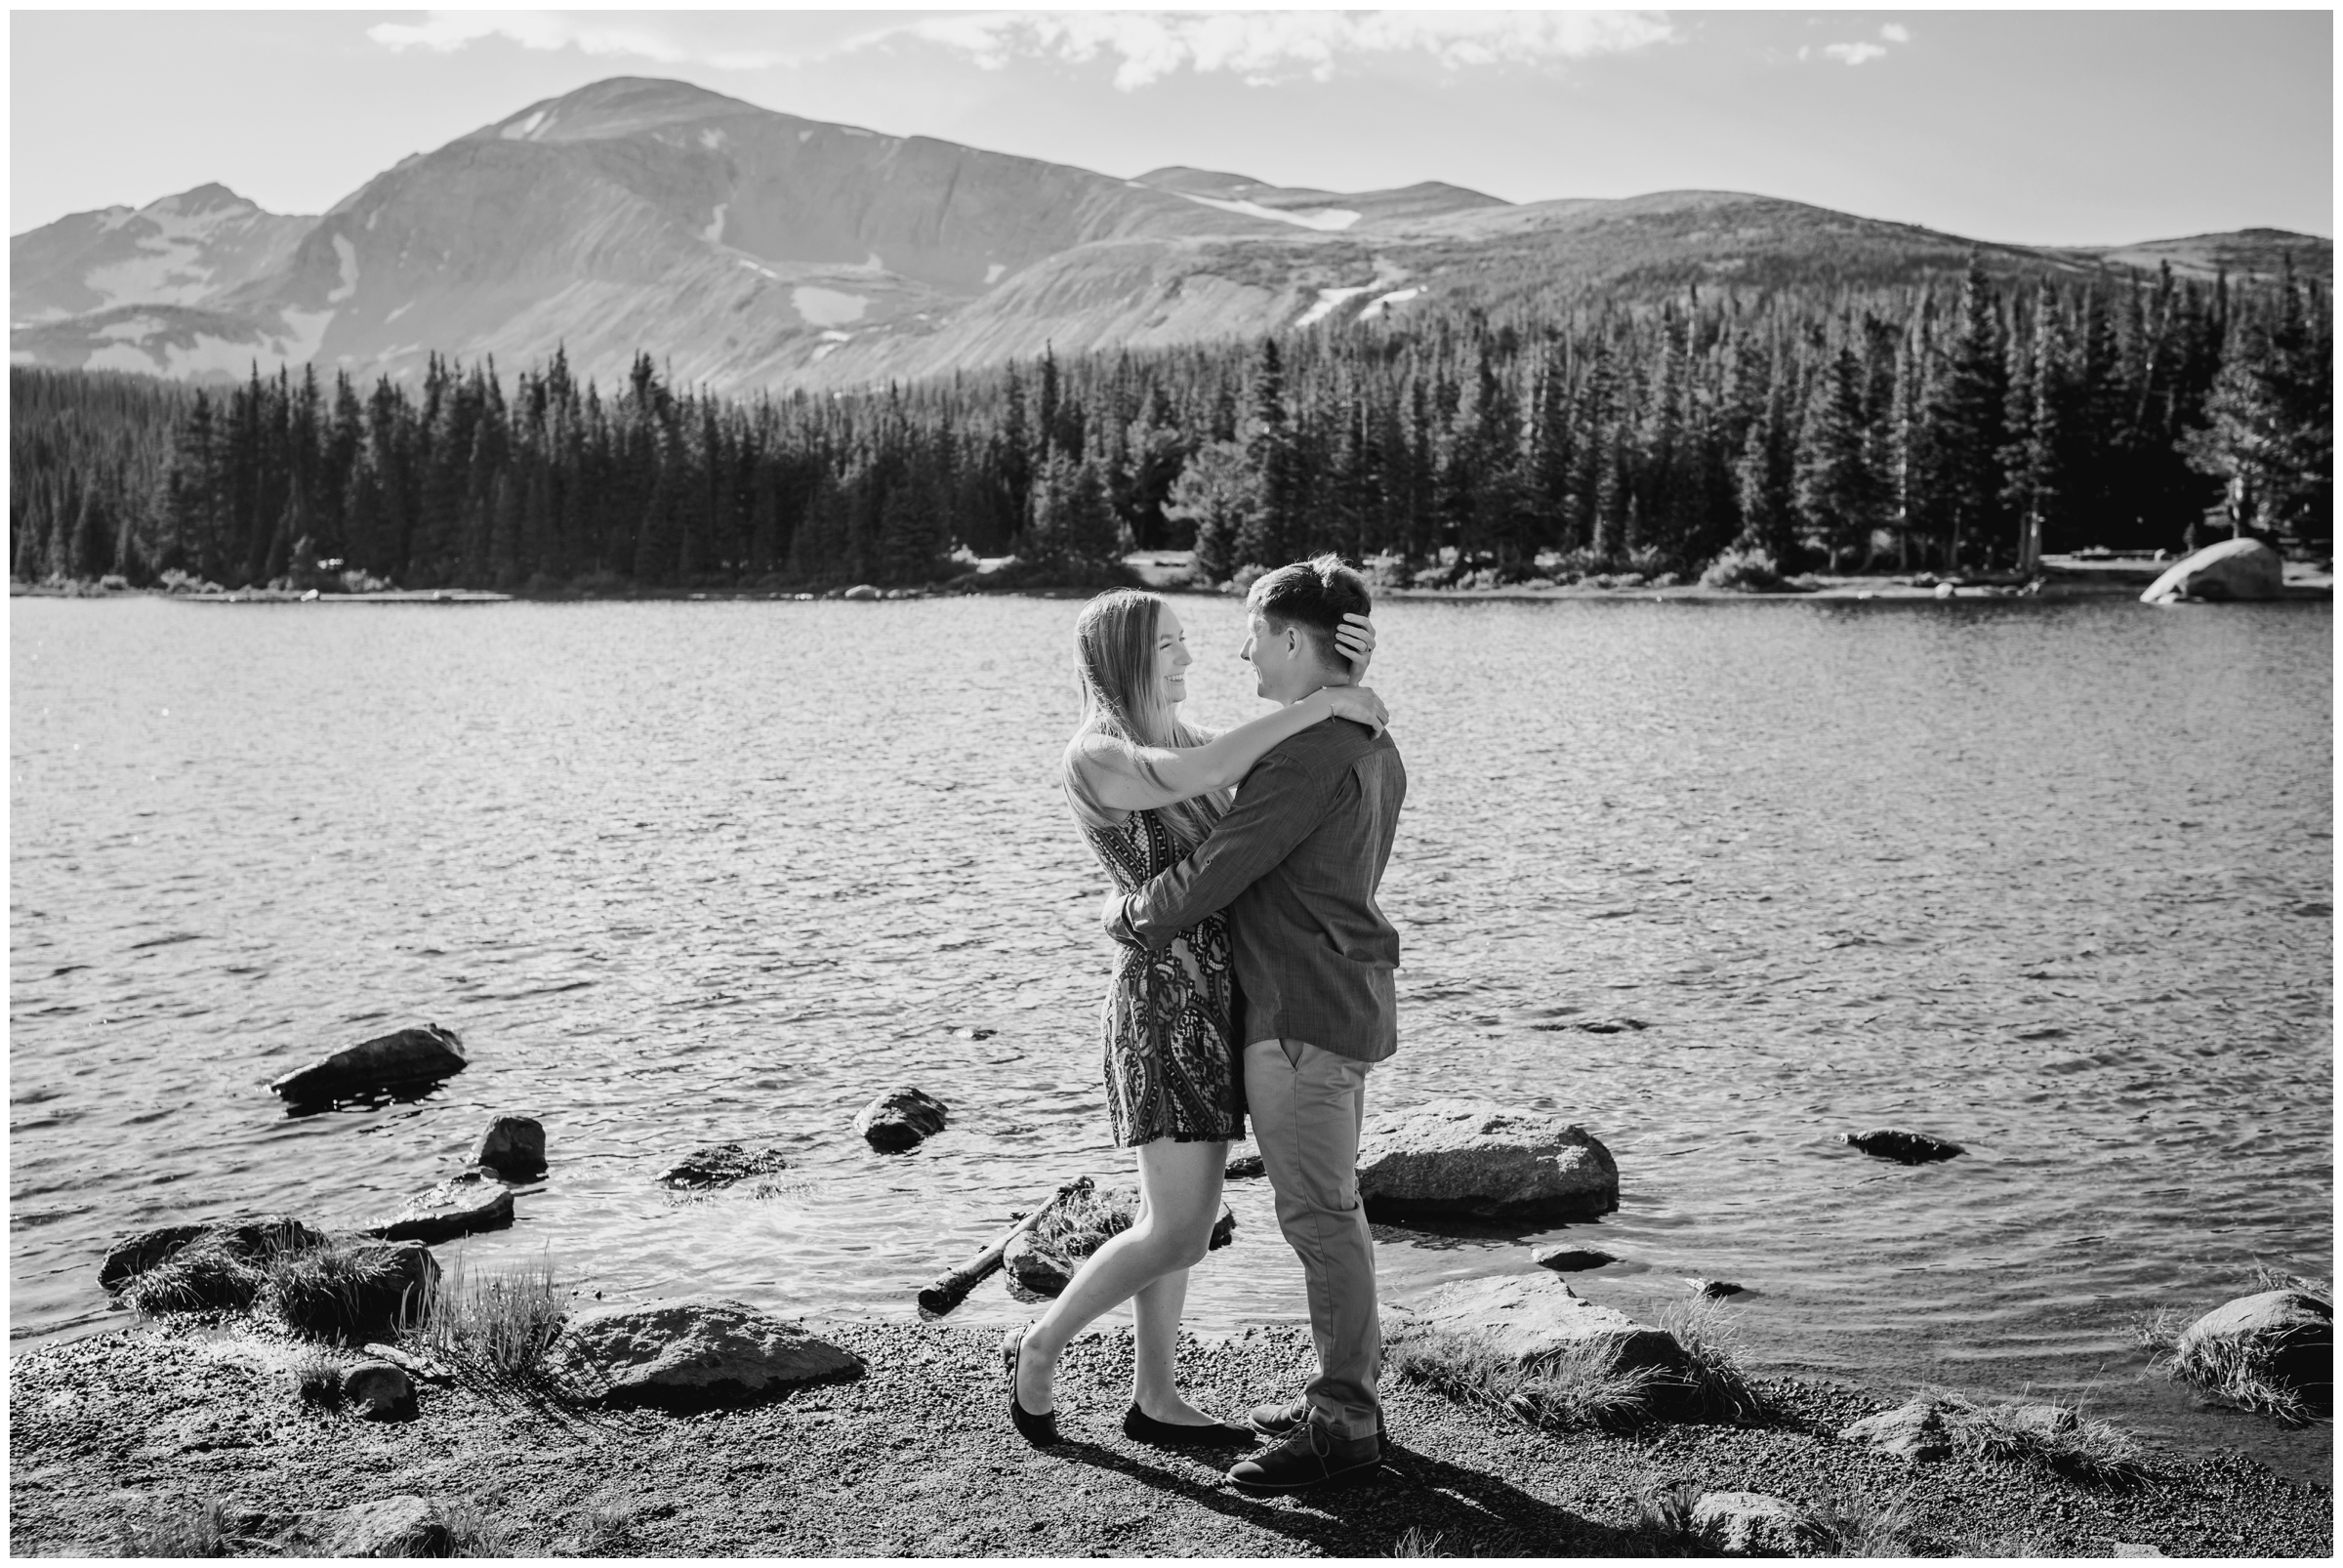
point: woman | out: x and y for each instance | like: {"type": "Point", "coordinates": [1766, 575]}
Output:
{"type": "Point", "coordinates": [1146, 789]}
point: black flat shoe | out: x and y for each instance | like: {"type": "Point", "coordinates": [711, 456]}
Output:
{"type": "Point", "coordinates": [1141, 1428]}
{"type": "Point", "coordinates": [1039, 1430]}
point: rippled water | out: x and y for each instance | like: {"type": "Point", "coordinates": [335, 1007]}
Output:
{"type": "Point", "coordinates": [2050, 880]}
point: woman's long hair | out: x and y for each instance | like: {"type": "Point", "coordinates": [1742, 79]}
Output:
{"type": "Point", "coordinates": [1114, 662]}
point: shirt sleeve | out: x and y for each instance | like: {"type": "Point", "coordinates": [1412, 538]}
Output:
{"type": "Point", "coordinates": [1279, 806]}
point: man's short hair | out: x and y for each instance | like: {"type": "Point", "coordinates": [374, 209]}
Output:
{"type": "Point", "coordinates": [1314, 595]}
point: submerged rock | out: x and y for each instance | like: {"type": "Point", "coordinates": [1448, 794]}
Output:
{"type": "Point", "coordinates": [1536, 1317]}
{"type": "Point", "coordinates": [900, 1119]}
{"type": "Point", "coordinates": [513, 1146]}
{"type": "Point", "coordinates": [1469, 1157]}
{"type": "Point", "coordinates": [1915, 1430]}
{"type": "Point", "coordinates": [720, 1165]}
{"type": "Point", "coordinates": [1573, 1260]}
{"type": "Point", "coordinates": [455, 1206]}
{"type": "Point", "coordinates": [1748, 1524]}
{"type": "Point", "coordinates": [690, 1352]}
{"type": "Point", "coordinates": [410, 1057]}
{"type": "Point", "coordinates": [1902, 1146]}
{"type": "Point", "coordinates": [2288, 1337]}
{"type": "Point", "coordinates": [2232, 569]}
{"type": "Point", "coordinates": [1043, 1260]}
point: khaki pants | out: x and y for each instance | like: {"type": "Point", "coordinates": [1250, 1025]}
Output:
{"type": "Point", "coordinates": [1306, 1106]}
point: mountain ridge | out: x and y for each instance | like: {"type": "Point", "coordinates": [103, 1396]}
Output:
{"type": "Point", "coordinates": [751, 248]}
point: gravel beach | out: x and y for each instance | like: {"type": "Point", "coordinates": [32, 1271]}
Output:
{"type": "Point", "coordinates": [914, 1458]}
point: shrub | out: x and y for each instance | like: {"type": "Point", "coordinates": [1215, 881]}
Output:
{"type": "Point", "coordinates": [1744, 571]}
{"type": "Point", "coordinates": [1554, 1394]}
{"type": "Point", "coordinates": [1712, 1386]}
{"type": "Point", "coordinates": [499, 1323]}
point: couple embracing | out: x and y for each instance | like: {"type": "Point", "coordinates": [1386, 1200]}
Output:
{"type": "Point", "coordinates": [1256, 975]}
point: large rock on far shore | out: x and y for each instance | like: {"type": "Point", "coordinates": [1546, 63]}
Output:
{"type": "Point", "coordinates": [406, 1059]}
{"type": "Point", "coordinates": [2232, 569]}
{"type": "Point", "coordinates": [690, 1352]}
{"type": "Point", "coordinates": [2287, 1337]}
{"type": "Point", "coordinates": [1470, 1157]}
{"type": "Point", "coordinates": [455, 1206]}
{"type": "Point", "coordinates": [900, 1119]}
{"type": "Point", "coordinates": [1536, 1317]}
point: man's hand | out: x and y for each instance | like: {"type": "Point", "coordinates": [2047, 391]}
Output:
{"type": "Point", "coordinates": [1110, 915]}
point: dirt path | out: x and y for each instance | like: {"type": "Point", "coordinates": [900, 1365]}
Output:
{"type": "Point", "coordinates": [916, 1460]}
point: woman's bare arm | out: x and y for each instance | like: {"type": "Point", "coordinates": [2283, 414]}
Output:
{"type": "Point", "coordinates": [1133, 778]}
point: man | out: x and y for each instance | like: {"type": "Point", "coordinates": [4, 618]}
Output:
{"type": "Point", "coordinates": [1295, 862]}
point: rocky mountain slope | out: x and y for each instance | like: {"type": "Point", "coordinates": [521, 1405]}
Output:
{"type": "Point", "coordinates": [750, 249]}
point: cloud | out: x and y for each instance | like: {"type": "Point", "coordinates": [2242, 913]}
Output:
{"type": "Point", "coordinates": [1258, 46]}
{"type": "Point", "coordinates": [1895, 34]}
{"type": "Point", "coordinates": [1854, 54]}
{"type": "Point", "coordinates": [1267, 46]}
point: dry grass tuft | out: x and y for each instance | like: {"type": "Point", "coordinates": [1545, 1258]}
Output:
{"type": "Point", "coordinates": [606, 1530]}
{"type": "Point", "coordinates": [1858, 1527]}
{"type": "Point", "coordinates": [1664, 1513]}
{"type": "Point", "coordinates": [341, 1289]}
{"type": "Point", "coordinates": [2267, 1278]}
{"type": "Point", "coordinates": [472, 1531]}
{"type": "Point", "coordinates": [1557, 1393]}
{"type": "Point", "coordinates": [2046, 1434]}
{"type": "Point", "coordinates": [2238, 1373]}
{"type": "Point", "coordinates": [1413, 1543]}
{"type": "Point", "coordinates": [316, 1375]}
{"type": "Point", "coordinates": [499, 1323]}
{"type": "Point", "coordinates": [178, 1527]}
{"type": "Point", "coordinates": [209, 1271]}
{"type": "Point", "coordinates": [1714, 1385]}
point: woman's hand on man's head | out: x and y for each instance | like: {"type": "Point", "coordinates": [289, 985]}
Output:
{"type": "Point", "coordinates": [1355, 640]}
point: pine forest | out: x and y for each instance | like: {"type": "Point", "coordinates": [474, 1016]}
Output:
{"type": "Point", "coordinates": [1960, 427]}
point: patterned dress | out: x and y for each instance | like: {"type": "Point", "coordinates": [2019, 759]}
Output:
{"type": "Point", "coordinates": [1171, 1071]}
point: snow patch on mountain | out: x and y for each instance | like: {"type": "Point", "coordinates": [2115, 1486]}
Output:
{"type": "Point", "coordinates": [347, 254]}
{"type": "Point", "coordinates": [992, 273]}
{"type": "Point", "coordinates": [401, 311]}
{"type": "Point", "coordinates": [1328, 299]}
{"type": "Point", "coordinates": [134, 328]}
{"type": "Point", "coordinates": [827, 307]}
{"type": "Point", "coordinates": [712, 139]}
{"type": "Point", "coordinates": [1325, 219]}
{"type": "Point", "coordinates": [714, 233]}
{"type": "Point", "coordinates": [522, 130]}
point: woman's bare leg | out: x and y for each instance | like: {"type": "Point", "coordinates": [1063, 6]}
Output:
{"type": "Point", "coordinates": [1179, 1185]}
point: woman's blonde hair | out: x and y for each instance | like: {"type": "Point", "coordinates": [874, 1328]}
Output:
{"type": "Point", "coordinates": [1114, 663]}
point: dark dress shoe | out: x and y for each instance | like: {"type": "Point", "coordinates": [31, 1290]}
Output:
{"type": "Point", "coordinates": [1039, 1430]}
{"type": "Point", "coordinates": [1311, 1456]}
{"type": "Point", "coordinates": [1281, 1421]}
{"type": "Point", "coordinates": [1141, 1428]}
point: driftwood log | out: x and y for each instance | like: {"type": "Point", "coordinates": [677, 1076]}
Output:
{"type": "Point", "coordinates": [951, 1288]}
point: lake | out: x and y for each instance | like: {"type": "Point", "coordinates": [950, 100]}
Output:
{"type": "Point", "coordinates": [2051, 880]}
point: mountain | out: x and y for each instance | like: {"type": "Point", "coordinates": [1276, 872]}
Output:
{"type": "Point", "coordinates": [751, 249]}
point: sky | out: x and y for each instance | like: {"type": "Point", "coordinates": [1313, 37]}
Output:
{"type": "Point", "coordinates": [2076, 126]}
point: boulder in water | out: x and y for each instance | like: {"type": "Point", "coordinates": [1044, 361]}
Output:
{"type": "Point", "coordinates": [2286, 1339]}
{"type": "Point", "coordinates": [1536, 1317]}
{"type": "Point", "coordinates": [720, 1165]}
{"type": "Point", "coordinates": [900, 1119]}
{"type": "Point", "coordinates": [250, 1241]}
{"type": "Point", "coordinates": [1470, 1157]}
{"type": "Point", "coordinates": [455, 1206]}
{"type": "Point", "coordinates": [405, 1059]}
{"type": "Point", "coordinates": [690, 1352]}
{"type": "Point", "coordinates": [1574, 1260]}
{"type": "Point", "coordinates": [1903, 1145]}
{"type": "Point", "coordinates": [2232, 569]}
{"type": "Point", "coordinates": [1245, 1168]}
{"type": "Point", "coordinates": [1041, 1260]}
{"type": "Point", "coordinates": [513, 1146]}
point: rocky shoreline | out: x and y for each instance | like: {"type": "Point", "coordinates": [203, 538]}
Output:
{"type": "Point", "coordinates": [913, 1456]}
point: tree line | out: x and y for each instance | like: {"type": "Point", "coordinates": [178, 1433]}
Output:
{"type": "Point", "coordinates": [1952, 426]}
